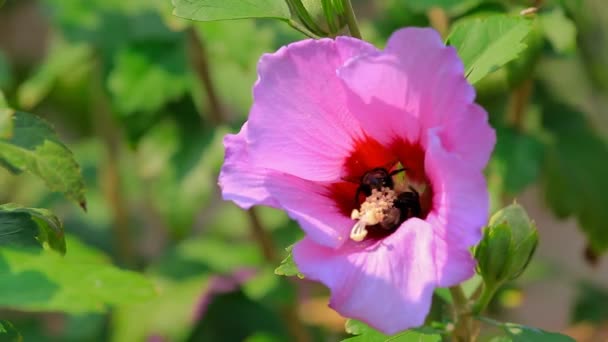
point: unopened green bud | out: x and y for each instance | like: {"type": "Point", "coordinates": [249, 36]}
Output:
{"type": "Point", "coordinates": [507, 246]}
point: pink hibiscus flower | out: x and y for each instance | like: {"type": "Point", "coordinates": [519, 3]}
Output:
{"type": "Point", "coordinates": [326, 113]}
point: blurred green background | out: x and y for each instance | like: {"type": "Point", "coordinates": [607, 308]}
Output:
{"type": "Point", "coordinates": [144, 98]}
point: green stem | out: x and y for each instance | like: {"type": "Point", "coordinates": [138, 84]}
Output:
{"type": "Point", "coordinates": [458, 298]}
{"type": "Point", "coordinates": [296, 25]}
{"type": "Point", "coordinates": [486, 296]}
{"type": "Point", "coordinates": [300, 11]}
{"type": "Point", "coordinates": [351, 19]}
{"type": "Point", "coordinates": [464, 329]}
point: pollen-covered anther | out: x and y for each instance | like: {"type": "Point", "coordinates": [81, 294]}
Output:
{"type": "Point", "coordinates": [371, 212]}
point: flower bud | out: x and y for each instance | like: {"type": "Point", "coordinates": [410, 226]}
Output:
{"type": "Point", "coordinates": [507, 246]}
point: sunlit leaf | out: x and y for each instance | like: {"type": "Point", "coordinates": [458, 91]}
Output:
{"type": "Point", "coordinates": [35, 148]}
{"type": "Point", "coordinates": [49, 282]}
{"type": "Point", "coordinates": [28, 227]}
{"type": "Point", "coordinates": [489, 43]}
{"type": "Point", "coordinates": [366, 334]}
{"type": "Point", "coordinates": [522, 333]}
{"type": "Point", "coordinates": [208, 10]}
{"type": "Point", "coordinates": [288, 266]}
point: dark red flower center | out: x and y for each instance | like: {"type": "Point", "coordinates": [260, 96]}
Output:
{"type": "Point", "coordinates": [368, 155]}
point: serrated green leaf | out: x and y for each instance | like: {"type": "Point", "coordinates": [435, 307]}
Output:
{"type": "Point", "coordinates": [484, 45]}
{"type": "Point", "coordinates": [522, 333]}
{"type": "Point", "coordinates": [367, 334]}
{"type": "Point", "coordinates": [28, 227]}
{"type": "Point", "coordinates": [288, 266]}
{"type": "Point", "coordinates": [8, 333]}
{"type": "Point", "coordinates": [49, 282]}
{"type": "Point", "coordinates": [574, 174]}
{"type": "Point", "coordinates": [34, 147]}
{"type": "Point", "coordinates": [208, 10]}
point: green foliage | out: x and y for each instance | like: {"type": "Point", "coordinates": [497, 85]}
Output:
{"type": "Point", "coordinates": [49, 282]}
{"type": "Point", "coordinates": [521, 333]}
{"type": "Point", "coordinates": [559, 30]}
{"type": "Point", "coordinates": [33, 146]}
{"type": "Point", "coordinates": [574, 178]}
{"type": "Point", "coordinates": [2, 105]}
{"type": "Point", "coordinates": [591, 304]}
{"type": "Point", "coordinates": [208, 10]}
{"type": "Point", "coordinates": [63, 59]}
{"type": "Point", "coordinates": [454, 7]}
{"type": "Point", "coordinates": [366, 334]}
{"type": "Point", "coordinates": [21, 226]}
{"type": "Point", "coordinates": [147, 77]}
{"type": "Point", "coordinates": [288, 266]}
{"type": "Point", "coordinates": [487, 44]}
{"type": "Point", "coordinates": [517, 160]}
{"type": "Point", "coordinates": [8, 333]}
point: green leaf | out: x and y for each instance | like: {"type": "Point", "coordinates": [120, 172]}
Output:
{"type": "Point", "coordinates": [559, 30]}
{"type": "Point", "coordinates": [574, 174]}
{"type": "Point", "coordinates": [148, 76]}
{"type": "Point", "coordinates": [208, 10]}
{"type": "Point", "coordinates": [30, 226]}
{"type": "Point", "coordinates": [521, 333]}
{"type": "Point", "coordinates": [180, 163]}
{"type": "Point", "coordinates": [487, 44]}
{"type": "Point", "coordinates": [591, 304]}
{"type": "Point", "coordinates": [2, 101]}
{"type": "Point", "coordinates": [63, 59]}
{"type": "Point", "coordinates": [366, 334]}
{"type": "Point", "coordinates": [288, 267]}
{"type": "Point", "coordinates": [8, 333]}
{"type": "Point", "coordinates": [6, 121]}
{"type": "Point", "coordinates": [169, 314]}
{"type": "Point", "coordinates": [33, 146]}
{"type": "Point", "coordinates": [517, 159]}
{"type": "Point", "coordinates": [453, 7]}
{"type": "Point", "coordinates": [49, 282]}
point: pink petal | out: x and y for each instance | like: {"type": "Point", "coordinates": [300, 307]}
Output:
{"type": "Point", "coordinates": [317, 214]}
{"type": "Point", "coordinates": [378, 97]}
{"type": "Point", "coordinates": [247, 185]}
{"type": "Point", "coordinates": [475, 145]}
{"type": "Point", "coordinates": [299, 123]}
{"type": "Point", "coordinates": [436, 73]}
{"type": "Point", "coordinates": [388, 284]}
{"type": "Point", "coordinates": [239, 179]}
{"type": "Point", "coordinates": [460, 196]}
{"type": "Point", "coordinates": [415, 85]}
{"type": "Point", "coordinates": [455, 264]}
